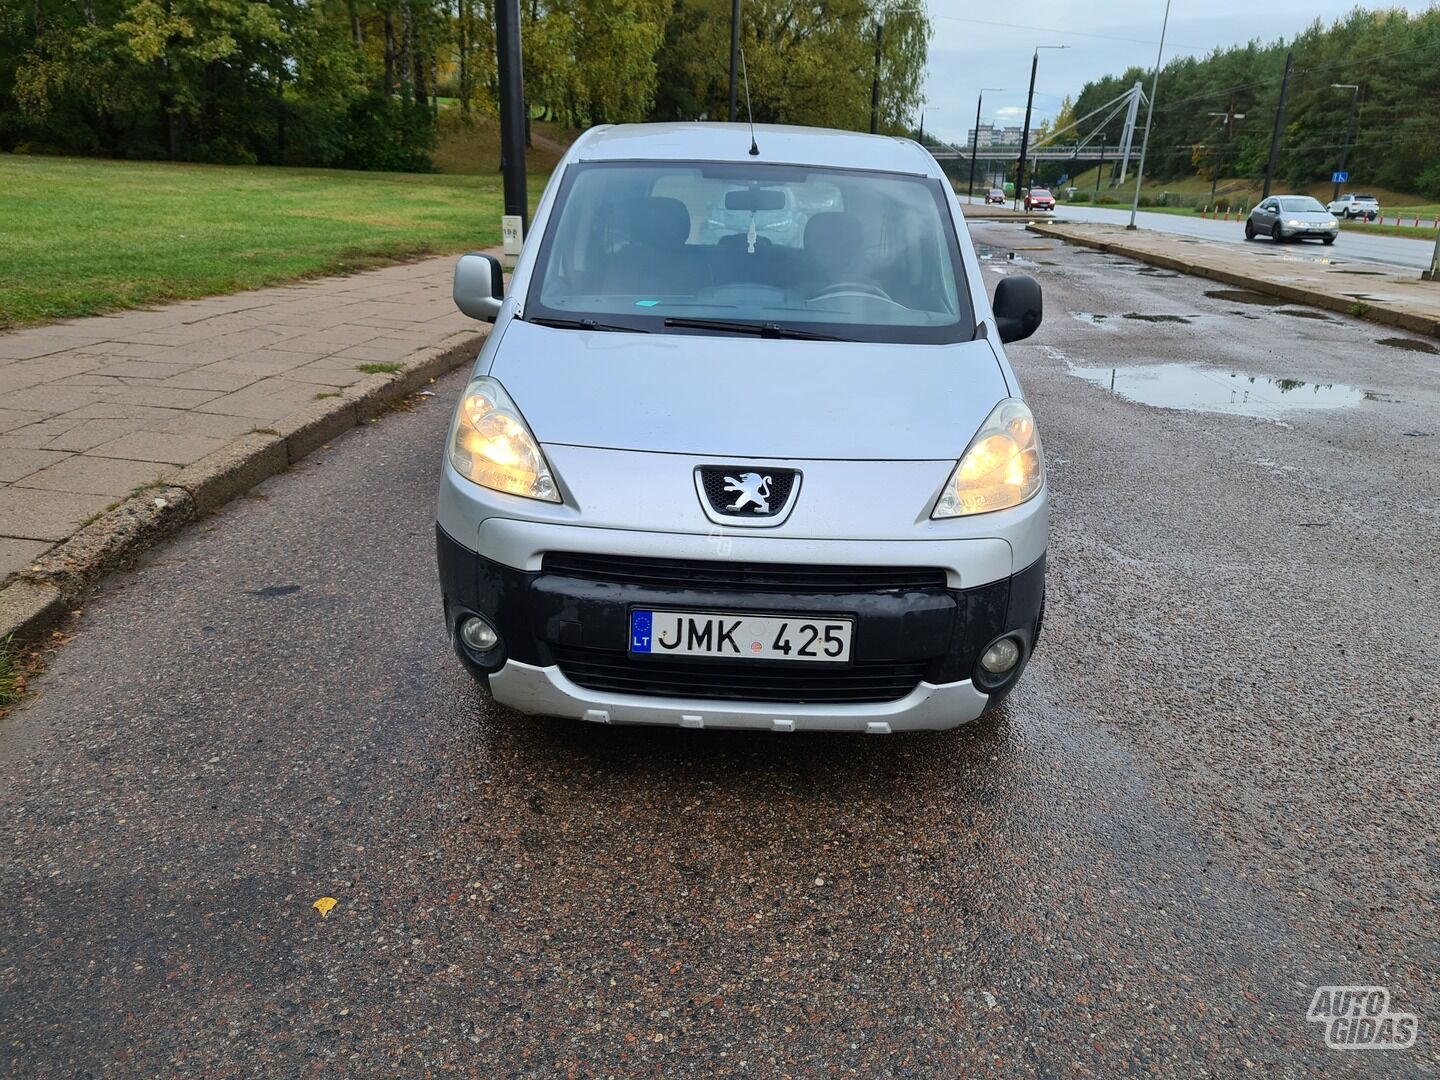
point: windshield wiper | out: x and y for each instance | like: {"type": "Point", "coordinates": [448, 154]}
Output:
{"type": "Point", "coordinates": [764, 330]}
{"type": "Point", "coordinates": [585, 324]}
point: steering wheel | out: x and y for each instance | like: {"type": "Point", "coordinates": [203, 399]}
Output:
{"type": "Point", "coordinates": [855, 288]}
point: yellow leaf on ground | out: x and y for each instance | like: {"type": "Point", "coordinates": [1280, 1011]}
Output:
{"type": "Point", "coordinates": [324, 904]}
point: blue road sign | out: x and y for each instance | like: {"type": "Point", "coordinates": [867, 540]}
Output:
{"type": "Point", "coordinates": [1339, 177]}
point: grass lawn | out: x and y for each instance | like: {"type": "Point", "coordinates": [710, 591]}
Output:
{"type": "Point", "coordinates": [82, 237]}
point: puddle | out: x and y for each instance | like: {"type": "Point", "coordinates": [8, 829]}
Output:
{"type": "Point", "coordinates": [989, 253]}
{"type": "Point", "coordinates": [1202, 389]}
{"type": "Point", "coordinates": [1303, 314]}
{"type": "Point", "coordinates": [1156, 318]}
{"type": "Point", "coordinates": [1244, 296]}
{"type": "Point", "coordinates": [1409, 344]}
{"type": "Point", "coordinates": [1088, 317]}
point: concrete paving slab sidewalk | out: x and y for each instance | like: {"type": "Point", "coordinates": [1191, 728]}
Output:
{"type": "Point", "coordinates": [98, 412]}
{"type": "Point", "coordinates": [1308, 274]}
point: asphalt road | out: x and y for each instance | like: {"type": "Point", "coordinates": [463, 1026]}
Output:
{"type": "Point", "coordinates": [1356, 246]}
{"type": "Point", "coordinates": [1213, 792]}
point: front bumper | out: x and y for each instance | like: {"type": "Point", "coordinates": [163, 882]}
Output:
{"type": "Point", "coordinates": [1313, 232]}
{"type": "Point", "coordinates": [564, 629]}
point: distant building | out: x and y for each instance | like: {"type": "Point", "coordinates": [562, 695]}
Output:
{"type": "Point", "coordinates": [990, 135]}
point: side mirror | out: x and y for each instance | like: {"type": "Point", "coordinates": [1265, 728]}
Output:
{"type": "Point", "coordinates": [1018, 307]}
{"type": "Point", "coordinates": [479, 286]}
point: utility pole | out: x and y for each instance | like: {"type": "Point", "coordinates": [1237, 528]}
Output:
{"type": "Point", "coordinates": [734, 59]}
{"type": "Point", "coordinates": [1025, 131]}
{"type": "Point", "coordinates": [1230, 116]}
{"type": "Point", "coordinates": [875, 80]}
{"type": "Point", "coordinates": [1349, 132]}
{"type": "Point", "coordinates": [512, 109]}
{"type": "Point", "coordinates": [1279, 123]}
{"type": "Point", "coordinates": [1101, 167]}
{"type": "Point", "coordinates": [975, 135]}
{"type": "Point", "coordinates": [1149, 116]}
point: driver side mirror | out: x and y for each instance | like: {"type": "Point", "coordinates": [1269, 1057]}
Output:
{"type": "Point", "coordinates": [479, 287]}
{"type": "Point", "coordinates": [1018, 307]}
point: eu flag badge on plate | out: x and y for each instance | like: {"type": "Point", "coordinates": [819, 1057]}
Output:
{"type": "Point", "coordinates": [640, 631]}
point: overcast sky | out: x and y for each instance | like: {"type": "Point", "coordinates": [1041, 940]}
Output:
{"type": "Point", "coordinates": [990, 45]}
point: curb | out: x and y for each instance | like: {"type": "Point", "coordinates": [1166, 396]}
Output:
{"type": "Point", "coordinates": [1343, 305]}
{"type": "Point", "coordinates": [35, 600]}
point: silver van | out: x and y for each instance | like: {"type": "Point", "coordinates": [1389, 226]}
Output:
{"type": "Point", "coordinates": [745, 476]}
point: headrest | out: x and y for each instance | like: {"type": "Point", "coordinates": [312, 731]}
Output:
{"type": "Point", "coordinates": [833, 237]}
{"type": "Point", "coordinates": [659, 222]}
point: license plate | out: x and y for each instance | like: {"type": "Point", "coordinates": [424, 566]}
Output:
{"type": "Point", "coordinates": [754, 637]}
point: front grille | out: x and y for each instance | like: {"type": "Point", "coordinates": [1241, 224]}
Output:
{"type": "Point", "coordinates": [703, 575]}
{"type": "Point", "coordinates": [772, 485]}
{"type": "Point", "coordinates": [779, 681]}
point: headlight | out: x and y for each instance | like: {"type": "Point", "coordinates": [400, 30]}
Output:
{"type": "Point", "coordinates": [1002, 468]}
{"type": "Point", "coordinates": [1295, 224]}
{"type": "Point", "coordinates": [491, 445]}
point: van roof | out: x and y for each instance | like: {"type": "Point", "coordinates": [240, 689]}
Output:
{"type": "Point", "coordinates": [778, 143]}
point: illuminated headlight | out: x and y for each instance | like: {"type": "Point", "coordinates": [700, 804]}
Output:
{"type": "Point", "coordinates": [491, 445]}
{"type": "Point", "coordinates": [1296, 224]}
{"type": "Point", "coordinates": [1002, 468]}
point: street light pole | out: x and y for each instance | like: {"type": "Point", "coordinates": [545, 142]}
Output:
{"type": "Point", "coordinates": [1025, 131]}
{"type": "Point", "coordinates": [734, 60]}
{"type": "Point", "coordinates": [875, 80]}
{"type": "Point", "coordinates": [1149, 116]}
{"type": "Point", "coordinates": [975, 135]}
{"type": "Point", "coordinates": [1349, 133]}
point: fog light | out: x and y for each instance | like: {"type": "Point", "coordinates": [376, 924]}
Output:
{"type": "Point", "coordinates": [478, 635]}
{"type": "Point", "coordinates": [1001, 657]}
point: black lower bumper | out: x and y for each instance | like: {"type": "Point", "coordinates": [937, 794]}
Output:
{"type": "Point", "coordinates": [570, 614]}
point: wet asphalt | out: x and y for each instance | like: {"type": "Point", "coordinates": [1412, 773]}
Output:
{"type": "Point", "coordinates": [1213, 791]}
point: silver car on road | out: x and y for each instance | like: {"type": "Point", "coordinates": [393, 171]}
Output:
{"type": "Point", "coordinates": [1291, 217]}
{"type": "Point", "coordinates": [715, 475]}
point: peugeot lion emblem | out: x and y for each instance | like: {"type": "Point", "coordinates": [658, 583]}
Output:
{"type": "Point", "coordinates": [752, 488]}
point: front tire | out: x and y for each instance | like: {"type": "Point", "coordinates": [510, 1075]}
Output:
{"type": "Point", "coordinates": [1327, 240]}
{"type": "Point", "coordinates": [1276, 234]}
{"type": "Point", "coordinates": [1249, 229]}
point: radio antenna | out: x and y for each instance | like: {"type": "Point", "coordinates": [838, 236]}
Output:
{"type": "Point", "coordinates": [745, 70]}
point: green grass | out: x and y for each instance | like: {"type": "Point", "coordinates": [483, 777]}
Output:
{"type": "Point", "coordinates": [379, 369]}
{"type": "Point", "coordinates": [83, 237]}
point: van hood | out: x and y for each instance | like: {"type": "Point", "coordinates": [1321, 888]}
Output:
{"type": "Point", "coordinates": [734, 396]}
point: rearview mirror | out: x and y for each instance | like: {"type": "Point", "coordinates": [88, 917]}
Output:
{"type": "Point", "coordinates": [1018, 307]}
{"type": "Point", "coordinates": [755, 199]}
{"type": "Point", "coordinates": [479, 288]}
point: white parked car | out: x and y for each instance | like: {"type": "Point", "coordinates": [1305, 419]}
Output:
{"type": "Point", "coordinates": [1356, 206]}
{"type": "Point", "coordinates": [712, 474]}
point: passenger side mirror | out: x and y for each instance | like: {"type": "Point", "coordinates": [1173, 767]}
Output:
{"type": "Point", "coordinates": [479, 286]}
{"type": "Point", "coordinates": [1018, 307]}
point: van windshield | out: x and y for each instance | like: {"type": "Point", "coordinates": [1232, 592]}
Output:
{"type": "Point", "coordinates": [861, 256]}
